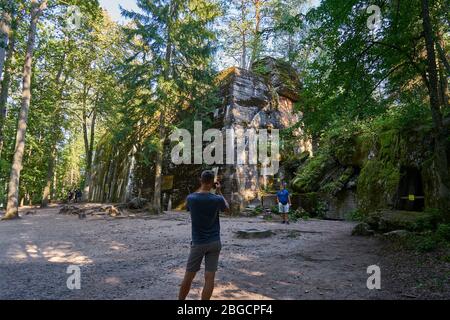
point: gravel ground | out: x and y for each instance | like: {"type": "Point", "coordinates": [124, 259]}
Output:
{"type": "Point", "coordinates": [144, 259]}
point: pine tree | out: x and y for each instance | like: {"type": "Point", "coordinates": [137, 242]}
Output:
{"type": "Point", "coordinates": [172, 62]}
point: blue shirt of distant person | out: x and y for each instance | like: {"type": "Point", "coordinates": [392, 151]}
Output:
{"type": "Point", "coordinates": [204, 208]}
{"type": "Point", "coordinates": [284, 202]}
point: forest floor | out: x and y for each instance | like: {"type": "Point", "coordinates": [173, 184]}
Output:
{"type": "Point", "coordinates": [144, 258]}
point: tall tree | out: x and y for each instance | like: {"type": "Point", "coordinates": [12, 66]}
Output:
{"type": "Point", "coordinates": [236, 35]}
{"type": "Point", "coordinates": [257, 44]}
{"type": "Point", "coordinates": [257, 27]}
{"type": "Point", "coordinates": [5, 27]}
{"type": "Point", "coordinates": [96, 75]}
{"type": "Point", "coordinates": [288, 29]}
{"type": "Point", "coordinates": [56, 129]}
{"type": "Point", "coordinates": [375, 72]}
{"type": "Point", "coordinates": [436, 103]}
{"type": "Point", "coordinates": [175, 52]}
{"type": "Point", "coordinates": [10, 39]}
{"type": "Point", "coordinates": [37, 8]}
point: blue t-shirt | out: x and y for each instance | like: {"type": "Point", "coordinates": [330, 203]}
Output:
{"type": "Point", "coordinates": [283, 196]}
{"type": "Point", "coordinates": [205, 208]}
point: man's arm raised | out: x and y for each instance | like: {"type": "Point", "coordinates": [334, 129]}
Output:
{"type": "Point", "coordinates": [219, 193]}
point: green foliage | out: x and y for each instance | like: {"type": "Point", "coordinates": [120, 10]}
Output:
{"type": "Point", "coordinates": [372, 84]}
{"type": "Point", "coordinates": [429, 240]}
{"type": "Point", "coordinates": [363, 91]}
{"type": "Point", "coordinates": [426, 243]}
{"type": "Point", "coordinates": [261, 69]}
{"type": "Point", "coordinates": [274, 210]}
{"type": "Point", "coordinates": [299, 214]}
{"type": "Point", "coordinates": [258, 210]}
{"type": "Point", "coordinates": [337, 185]}
{"type": "Point", "coordinates": [377, 185]}
{"type": "Point", "coordinates": [313, 204]}
{"type": "Point", "coordinates": [345, 78]}
{"type": "Point", "coordinates": [64, 64]}
{"type": "Point", "coordinates": [309, 177]}
{"type": "Point", "coordinates": [443, 232]}
{"type": "Point", "coordinates": [356, 216]}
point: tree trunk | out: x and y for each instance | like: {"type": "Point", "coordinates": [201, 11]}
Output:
{"type": "Point", "coordinates": [162, 125]}
{"type": "Point", "coordinates": [440, 152]}
{"type": "Point", "coordinates": [4, 37]}
{"type": "Point", "coordinates": [13, 190]}
{"type": "Point", "coordinates": [86, 146]}
{"type": "Point", "coordinates": [50, 174]}
{"type": "Point", "coordinates": [158, 167]}
{"type": "Point", "coordinates": [257, 33]}
{"type": "Point", "coordinates": [440, 44]}
{"type": "Point", "coordinates": [244, 51]}
{"type": "Point", "coordinates": [89, 148]}
{"type": "Point", "coordinates": [5, 83]}
{"type": "Point", "coordinates": [290, 48]}
{"type": "Point", "coordinates": [244, 38]}
{"type": "Point", "coordinates": [444, 72]}
{"type": "Point", "coordinates": [55, 182]}
{"type": "Point", "coordinates": [53, 153]}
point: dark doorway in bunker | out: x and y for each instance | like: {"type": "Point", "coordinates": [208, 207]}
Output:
{"type": "Point", "coordinates": [410, 195]}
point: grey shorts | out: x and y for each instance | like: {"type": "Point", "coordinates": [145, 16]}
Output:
{"type": "Point", "coordinates": [210, 252]}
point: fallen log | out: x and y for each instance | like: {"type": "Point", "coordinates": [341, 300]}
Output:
{"type": "Point", "coordinates": [108, 210]}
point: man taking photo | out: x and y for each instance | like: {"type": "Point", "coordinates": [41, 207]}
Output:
{"type": "Point", "coordinates": [204, 208]}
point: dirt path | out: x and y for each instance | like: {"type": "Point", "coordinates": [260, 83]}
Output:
{"type": "Point", "coordinates": [144, 259]}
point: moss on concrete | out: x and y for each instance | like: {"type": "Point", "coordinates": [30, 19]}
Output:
{"type": "Point", "coordinates": [392, 220]}
{"type": "Point", "coordinates": [377, 185]}
{"type": "Point", "coordinates": [339, 183]}
{"type": "Point", "coordinates": [310, 174]}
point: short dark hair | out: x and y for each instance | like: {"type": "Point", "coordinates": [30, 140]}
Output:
{"type": "Point", "coordinates": [208, 176]}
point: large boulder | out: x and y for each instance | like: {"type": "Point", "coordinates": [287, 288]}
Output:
{"type": "Point", "coordinates": [392, 220]}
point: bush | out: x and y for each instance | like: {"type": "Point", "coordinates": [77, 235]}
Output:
{"type": "Point", "coordinates": [430, 241]}
{"type": "Point", "coordinates": [356, 216]}
{"type": "Point", "coordinates": [430, 220]}
{"type": "Point", "coordinates": [307, 180]}
{"type": "Point", "coordinates": [321, 210]}
{"type": "Point", "coordinates": [299, 214]}
{"type": "Point", "coordinates": [257, 211]}
{"type": "Point", "coordinates": [426, 243]}
{"type": "Point", "coordinates": [443, 232]}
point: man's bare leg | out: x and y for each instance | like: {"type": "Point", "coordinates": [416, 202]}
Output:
{"type": "Point", "coordinates": [186, 285]}
{"type": "Point", "coordinates": [209, 285]}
